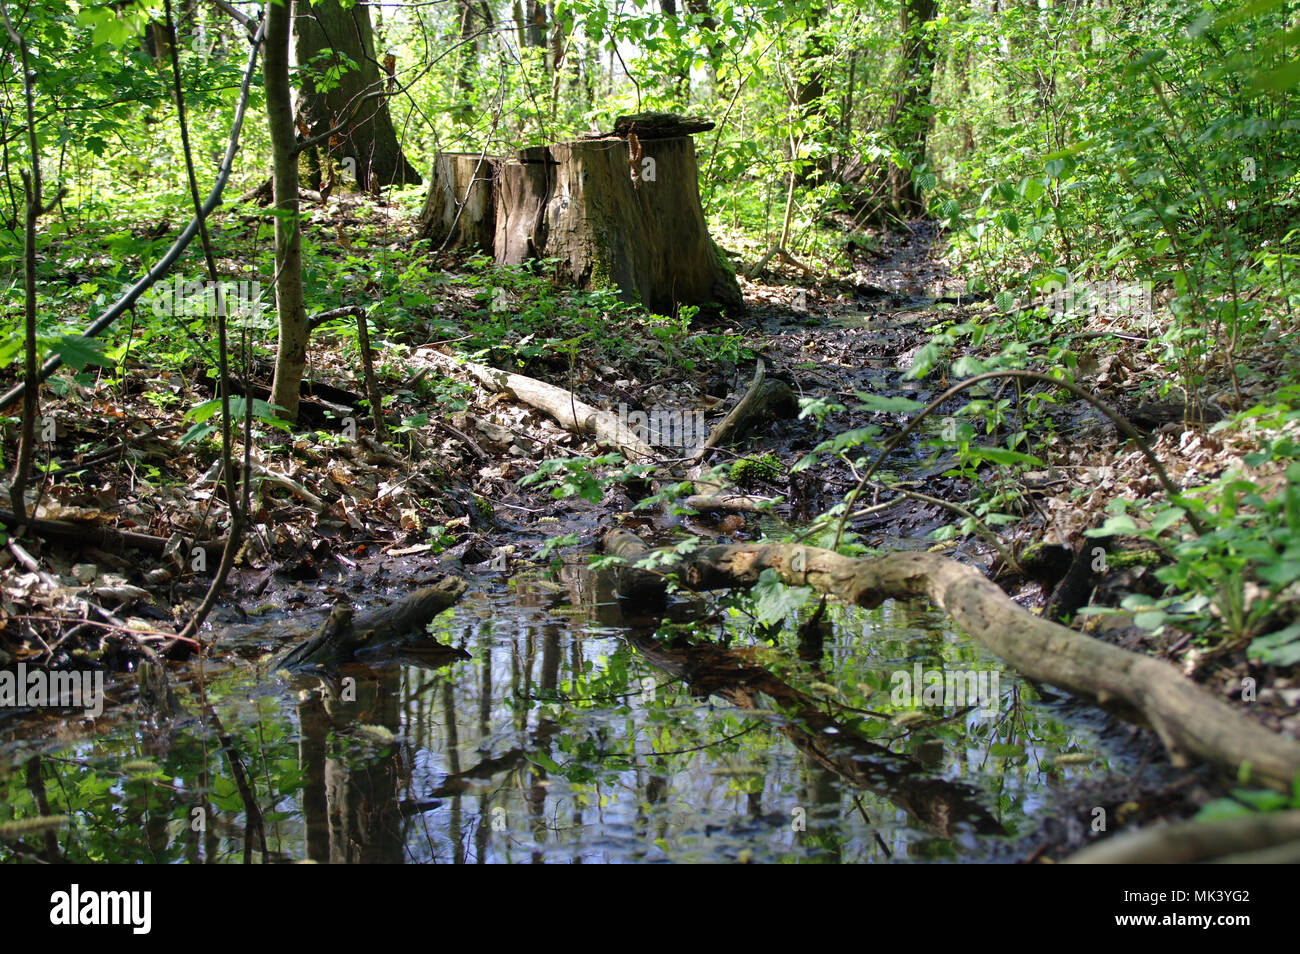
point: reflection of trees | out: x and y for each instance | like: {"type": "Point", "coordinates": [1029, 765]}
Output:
{"type": "Point", "coordinates": [350, 805]}
{"type": "Point", "coordinates": [714, 670]}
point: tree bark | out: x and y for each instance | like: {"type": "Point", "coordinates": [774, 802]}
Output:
{"type": "Point", "coordinates": [643, 233]}
{"type": "Point", "coordinates": [291, 356]}
{"type": "Point", "coordinates": [458, 208]}
{"type": "Point", "coordinates": [327, 37]}
{"type": "Point", "coordinates": [909, 115]}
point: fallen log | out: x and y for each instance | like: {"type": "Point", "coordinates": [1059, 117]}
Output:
{"type": "Point", "coordinates": [573, 415]}
{"type": "Point", "coordinates": [341, 636]}
{"type": "Point", "coordinates": [1190, 842]}
{"type": "Point", "coordinates": [733, 503]}
{"type": "Point", "coordinates": [1191, 723]}
{"type": "Point", "coordinates": [105, 538]}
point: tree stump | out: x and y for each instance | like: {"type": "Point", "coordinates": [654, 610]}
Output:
{"type": "Point", "coordinates": [615, 211]}
{"type": "Point", "coordinates": [458, 211]}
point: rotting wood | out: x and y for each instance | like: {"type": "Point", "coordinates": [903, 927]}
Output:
{"type": "Point", "coordinates": [733, 503]}
{"type": "Point", "coordinates": [765, 398]}
{"type": "Point", "coordinates": [342, 635]}
{"type": "Point", "coordinates": [1190, 722]}
{"type": "Point", "coordinates": [572, 414]}
{"type": "Point", "coordinates": [458, 208]}
{"type": "Point", "coordinates": [105, 538]}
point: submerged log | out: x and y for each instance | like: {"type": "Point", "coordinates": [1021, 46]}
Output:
{"type": "Point", "coordinates": [342, 635]}
{"type": "Point", "coordinates": [1190, 721]}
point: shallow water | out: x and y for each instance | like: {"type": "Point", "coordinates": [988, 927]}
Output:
{"type": "Point", "coordinates": [570, 734]}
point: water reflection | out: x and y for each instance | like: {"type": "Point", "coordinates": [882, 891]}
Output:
{"type": "Point", "coordinates": [571, 734]}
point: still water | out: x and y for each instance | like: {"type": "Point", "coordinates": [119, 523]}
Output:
{"type": "Point", "coordinates": [565, 732]}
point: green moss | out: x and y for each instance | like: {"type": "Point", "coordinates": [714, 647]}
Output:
{"type": "Point", "coordinates": [601, 276]}
{"type": "Point", "coordinates": [483, 507]}
{"type": "Point", "coordinates": [1119, 559]}
{"type": "Point", "coordinates": [722, 260]}
{"type": "Point", "coordinates": [748, 471]}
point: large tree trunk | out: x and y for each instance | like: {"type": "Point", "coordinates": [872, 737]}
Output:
{"type": "Point", "coordinates": [291, 356]}
{"type": "Point", "coordinates": [331, 38]}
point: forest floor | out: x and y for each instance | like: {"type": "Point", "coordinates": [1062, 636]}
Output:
{"type": "Point", "coordinates": [345, 519]}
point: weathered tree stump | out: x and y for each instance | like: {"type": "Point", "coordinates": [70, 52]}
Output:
{"type": "Point", "coordinates": [620, 211]}
{"type": "Point", "coordinates": [458, 209]}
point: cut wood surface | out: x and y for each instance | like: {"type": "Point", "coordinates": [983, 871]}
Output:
{"type": "Point", "coordinates": [1190, 721]}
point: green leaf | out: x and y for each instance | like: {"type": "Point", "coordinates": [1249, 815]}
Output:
{"type": "Point", "coordinates": [1120, 524]}
{"type": "Point", "coordinates": [774, 600]}
{"type": "Point", "coordinates": [1005, 751]}
{"type": "Point", "coordinates": [890, 405]}
{"type": "Point", "coordinates": [77, 351]}
{"type": "Point", "coordinates": [1000, 455]}
{"type": "Point", "coordinates": [1166, 519]}
{"type": "Point", "coordinates": [1280, 648]}
{"type": "Point", "coordinates": [1151, 619]}
{"type": "Point", "coordinates": [1280, 79]}
{"type": "Point", "coordinates": [1222, 808]}
{"type": "Point", "coordinates": [1262, 800]}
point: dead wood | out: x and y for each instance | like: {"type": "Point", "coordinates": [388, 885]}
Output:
{"type": "Point", "coordinates": [1276, 835]}
{"type": "Point", "coordinates": [105, 538]}
{"type": "Point", "coordinates": [1192, 723]}
{"type": "Point", "coordinates": [733, 503]}
{"type": "Point", "coordinates": [572, 414]}
{"type": "Point", "coordinates": [766, 399]}
{"type": "Point", "coordinates": [342, 635]}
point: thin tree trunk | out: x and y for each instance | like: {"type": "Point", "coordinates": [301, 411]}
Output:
{"type": "Point", "coordinates": [291, 358]}
{"type": "Point", "coordinates": [909, 115]}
